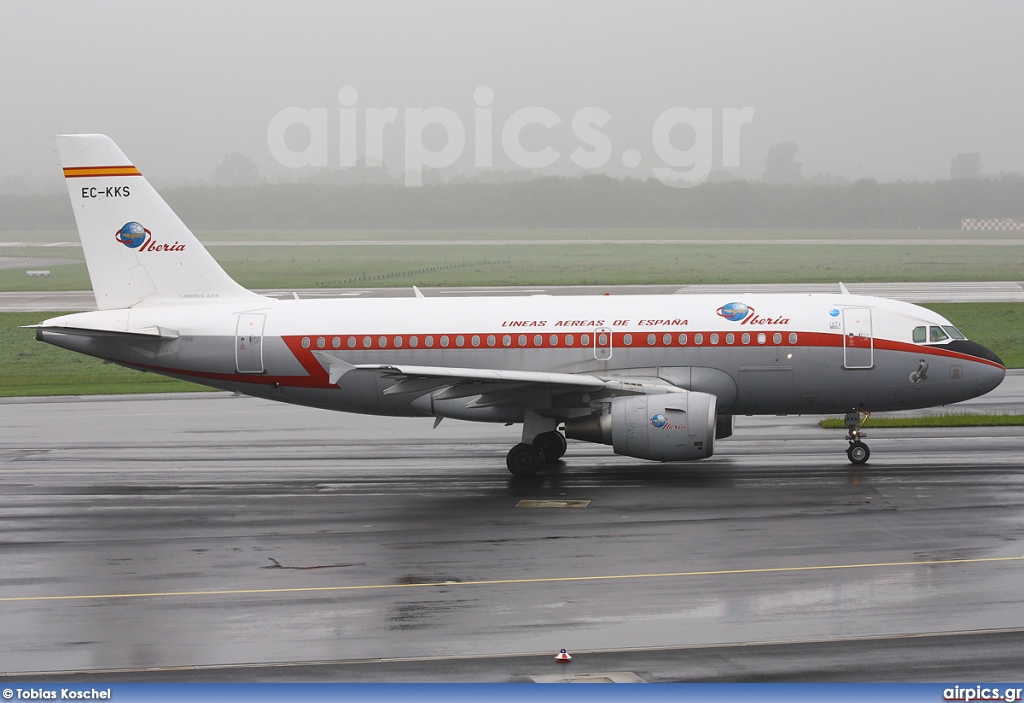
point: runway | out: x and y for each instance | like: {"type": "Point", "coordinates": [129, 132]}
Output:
{"type": "Point", "coordinates": [939, 292]}
{"type": "Point", "coordinates": [211, 537]}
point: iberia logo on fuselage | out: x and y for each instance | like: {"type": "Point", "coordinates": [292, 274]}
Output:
{"type": "Point", "coordinates": [734, 312]}
{"type": "Point", "coordinates": [134, 236]}
{"type": "Point", "coordinates": [744, 314]}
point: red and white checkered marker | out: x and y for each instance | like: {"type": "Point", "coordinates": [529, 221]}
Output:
{"type": "Point", "coordinates": [563, 657]}
{"type": "Point", "coordinates": [992, 224]}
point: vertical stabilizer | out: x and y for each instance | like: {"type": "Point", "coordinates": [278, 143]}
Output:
{"type": "Point", "coordinates": [136, 248]}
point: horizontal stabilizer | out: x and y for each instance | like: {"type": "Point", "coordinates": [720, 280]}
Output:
{"type": "Point", "coordinates": [145, 332]}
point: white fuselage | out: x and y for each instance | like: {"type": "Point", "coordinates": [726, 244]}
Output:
{"type": "Point", "coordinates": [777, 353]}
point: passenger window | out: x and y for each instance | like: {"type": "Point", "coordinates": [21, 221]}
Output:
{"type": "Point", "coordinates": [920, 335]}
{"type": "Point", "coordinates": [937, 335]}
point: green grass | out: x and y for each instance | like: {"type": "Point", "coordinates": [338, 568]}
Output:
{"type": "Point", "coordinates": [591, 264]}
{"type": "Point", "coordinates": [998, 326]}
{"type": "Point", "coordinates": [29, 368]}
{"type": "Point", "coordinates": [604, 264]}
{"type": "Point", "coordinates": [953, 420]}
{"type": "Point", "coordinates": [308, 267]}
{"type": "Point", "coordinates": [63, 277]}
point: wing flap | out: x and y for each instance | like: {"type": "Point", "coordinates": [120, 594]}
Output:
{"type": "Point", "coordinates": [462, 375]}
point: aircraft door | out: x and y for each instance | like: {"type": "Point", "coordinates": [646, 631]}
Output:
{"type": "Point", "coordinates": [249, 342]}
{"type": "Point", "coordinates": [602, 344]}
{"type": "Point", "coordinates": [858, 344]}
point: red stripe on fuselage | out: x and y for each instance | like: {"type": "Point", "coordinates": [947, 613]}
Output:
{"type": "Point", "coordinates": [318, 377]}
{"type": "Point", "coordinates": [373, 342]}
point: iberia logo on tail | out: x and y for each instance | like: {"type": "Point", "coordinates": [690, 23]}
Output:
{"type": "Point", "coordinates": [134, 236]}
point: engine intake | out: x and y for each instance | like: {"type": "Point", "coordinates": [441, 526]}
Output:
{"type": "Point", "coordinates": [669, 427]}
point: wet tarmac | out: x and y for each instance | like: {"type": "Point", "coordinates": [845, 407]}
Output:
{"type": "Point", "coordinates": [212, 537]}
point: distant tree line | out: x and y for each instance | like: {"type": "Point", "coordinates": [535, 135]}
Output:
{"type": "Point", "coordinates": [591, 201]}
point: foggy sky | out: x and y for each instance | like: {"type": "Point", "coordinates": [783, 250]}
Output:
{"type": "Point", "coordinates": [866, 89]}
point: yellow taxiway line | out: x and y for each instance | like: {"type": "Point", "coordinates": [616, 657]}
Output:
{"type": "Point", "coordinates": [499, 582]}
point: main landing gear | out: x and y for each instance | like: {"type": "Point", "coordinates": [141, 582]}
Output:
{"type": "Point", "coordinates": [542, 444]}
{"type": "Point", "coordinates": [858, 452]}
{"type": "Point", "coordinates": [527, 459]}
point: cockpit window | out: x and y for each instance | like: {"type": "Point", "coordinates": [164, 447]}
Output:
{"type": "Point", "coordinates": [936, 334]}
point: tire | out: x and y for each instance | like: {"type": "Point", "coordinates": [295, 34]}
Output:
{"type": "Point", "coordinates": [858, 453]}
{"type": "Point", "coordinates": [552, 445]}
{"type": "Point", "coordinates": [524, 460]}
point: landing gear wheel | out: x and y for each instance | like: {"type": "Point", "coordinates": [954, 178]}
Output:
{"type": "Point", "coordinates": [858, 453]}
{"type": "Point", "coordinates": [552, 445]}
{"type": "Point", "coordinates": [524, 460]}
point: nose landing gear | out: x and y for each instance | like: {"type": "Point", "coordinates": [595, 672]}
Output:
{"type": "Point", "coordinates": [858, 451]}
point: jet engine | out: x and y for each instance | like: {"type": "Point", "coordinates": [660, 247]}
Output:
{"type": "Point", "coordinates": [668, 427]}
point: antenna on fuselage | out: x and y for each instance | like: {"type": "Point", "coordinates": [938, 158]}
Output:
{"type": "Point", "coordinates": [417, 292]}
{"type": "Point", "coordinates": [842, 288]}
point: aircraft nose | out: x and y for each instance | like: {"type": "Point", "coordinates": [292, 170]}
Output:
{"type": "Point", "coordinates": [990, 374]}
{"type": "Point", "coordinates": [966, 346]}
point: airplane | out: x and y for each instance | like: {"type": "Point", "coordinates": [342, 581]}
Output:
{"type": "Point", "coordinates": [657, 377]}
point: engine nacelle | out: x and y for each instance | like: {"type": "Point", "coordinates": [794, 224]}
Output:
{"type": "Point", "coordinates": [668, 427]}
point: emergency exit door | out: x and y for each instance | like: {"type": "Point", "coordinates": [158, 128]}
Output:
{"type": "Point", "coordinates": [249, 342]}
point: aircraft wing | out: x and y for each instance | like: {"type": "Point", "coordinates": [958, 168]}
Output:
{"type": "Point", "coordinates": [337, 368]}
{"type": "Point", "coordinates": [464, 382]}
